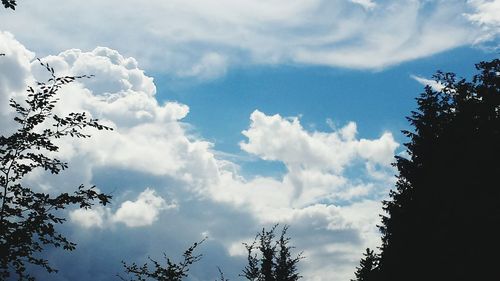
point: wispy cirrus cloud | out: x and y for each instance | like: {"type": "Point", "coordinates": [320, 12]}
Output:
{"type": "Point", "coordinates": [203, 39]}
{"type": "Point", "coordinates": [486, 14]}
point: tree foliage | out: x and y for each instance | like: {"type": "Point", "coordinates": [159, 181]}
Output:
{"type": "Point", "coordinates": [274, 262]}
{"type": "Point", "coordinates": [170, 271]}
{"type": "Point", "coordinates": [442, 219]}
{"type": "Point", "coordinates": [27, 216]}
{"type": "Point", "coordinates": [9, 4]}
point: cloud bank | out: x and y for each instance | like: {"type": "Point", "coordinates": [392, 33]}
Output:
{"type": "Point", "coordinates": [170, 188]}
{"type": "Point", "coordinates": [202, 39]}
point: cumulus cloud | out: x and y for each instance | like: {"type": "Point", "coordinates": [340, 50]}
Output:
{"type": "Point", "coordinates": [144, 211]}
{"type": "Point", "coordinates": [148, 136]}
{"type": "Point", "coordinates": [367, 4]}
{"type": "Point", "coordinates": [316, 164]}
{"type": "Point", "coordinates": [278, 138]}
{"type": "Point", "coordinates": [151, 154]}
{"type": "Point", "coordinates": [203, 38]}
{"type": "Point", "coordinates": [89, 217]}
{"type": "Point", "coordinates": [14, 73]}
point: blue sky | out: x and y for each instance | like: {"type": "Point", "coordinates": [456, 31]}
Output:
{"type": "Point", "coordinates": [377, 100]}
{"type": "Point", "coordinates": [234, 115]}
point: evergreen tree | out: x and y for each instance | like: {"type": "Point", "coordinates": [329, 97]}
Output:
{"type": "Point", "coordinates": [252, 270]}
{"type": "Point", "coordinates": [367, 267]}
{"type": "Point", "coordinates": [268, 251]}
{"type": "Point", "coordinates": [286, 266]}
{"type": "Point", "coordinates": [274, 261]}
{"type": "Point", "coordinates": [442, 219]}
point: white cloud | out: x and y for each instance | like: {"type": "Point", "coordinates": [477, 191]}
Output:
{"type": "Point", "coordinates": [204, 38]}
{"type": "Point", "coordinates": [278, 138]}
{"type": "Point", "coordinates": [88, 218]}
{"type": "Point", "coordinates": [210, 66]}
{"type": "Point", "coordinates": [148, 136]}
{"type": "Point", "coordinates": [150, 144]}
{"type": "Point", "coordinates": [14, 73]}
{"type": "Point", "coordinates": [315, 162]}
{"type": "Point", "coordinates": [367, 4]}
{"type": "Point", "coordinates": [486, 14]}
{"type": "Point", "coordinates": [435, 85]}
{"type": "Point", "coordinates": [142, 212]}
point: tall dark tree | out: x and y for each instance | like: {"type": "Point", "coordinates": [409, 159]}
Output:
{"type": "Point", "coordinates": [268, 253]}
{"type": "Point", "coordinates": [252, 269]}
{"type": "Point", "coordinates": [28, 217]}
{"type": "Point", "coordinates": [442, 220]}
{"type": "Point", "coordinates": [286, 265]}
{"type": "Point", "coordinates": [274, 262]}
{"type": "Point", "coordinates": [367, 269]}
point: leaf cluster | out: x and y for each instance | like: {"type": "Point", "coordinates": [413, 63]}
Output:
{"type": "Point", "coordinates": [9, 4]}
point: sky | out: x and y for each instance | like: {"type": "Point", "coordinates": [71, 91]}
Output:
{"type": "Point", "coordinates": [230, 116]}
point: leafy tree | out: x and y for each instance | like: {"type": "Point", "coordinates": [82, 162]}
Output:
{"type": "Point", "coordinates": [9, 4]}
{"type": "Point", "coordinates": [275, 261]}
{"type": "Point", "coordinates": [442, 219]}
{"type": "Point", "coordinates": [367, 266]}
{"type": "Point", "coordinates": [170, 272]}
{"type": "Point", "coordinates": [28, 217]}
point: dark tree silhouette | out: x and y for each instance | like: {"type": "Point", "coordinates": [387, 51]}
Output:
{"type": "Point", "coordinates": [367, 267]}
{"type": "Point", "coordinates": [170, 271]}
{"type": "Point", "coordinates": [221, 275]}
{"type": "Point", "coordinates": [286, 266]}
{"type": "Point", "coordinates": [28, 217]}
{"type": "Point", "coordinates": [274, 261]}
{"type": "Point", "coordinates": [9, 4]}
{"type": "Point", "coordinates": [252, 269]}
{"type": "Point", "coordinates": [442, 221]}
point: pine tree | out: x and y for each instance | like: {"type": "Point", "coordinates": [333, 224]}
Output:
{"type": "Point", "coordinates": [275, 261]}
{"type": "Point", "coordinates": [441, 220]}
{"type": "Point", "coordinates": [268, 251]}
{"type": "Point", "coordinates": [286, 266]}
{"type": "Point", "coordinates": [367, 269]}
